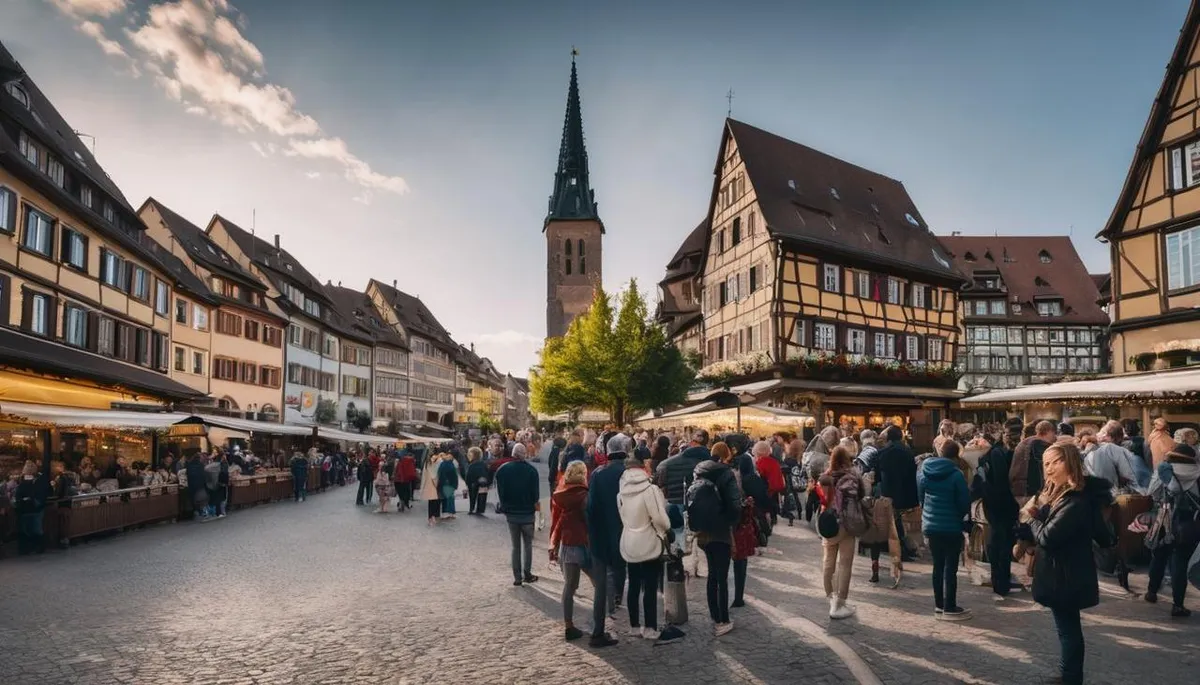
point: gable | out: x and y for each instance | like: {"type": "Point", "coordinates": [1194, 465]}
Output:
{"type": "Point", "coordinates": [1163, 182]}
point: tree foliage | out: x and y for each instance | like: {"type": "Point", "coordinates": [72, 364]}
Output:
{"type": "Point", "coordinates": [619, 361]}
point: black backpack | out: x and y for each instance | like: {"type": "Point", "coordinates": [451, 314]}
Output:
{"type": "Point", "coordinates": [705, 506]}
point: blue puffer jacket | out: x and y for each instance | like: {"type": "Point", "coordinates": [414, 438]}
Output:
{"type": "Point", "coordinates": [944, 497]}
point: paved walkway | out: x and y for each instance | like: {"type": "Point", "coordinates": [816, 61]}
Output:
{"type": "Point", "coordinates": [325, 592]}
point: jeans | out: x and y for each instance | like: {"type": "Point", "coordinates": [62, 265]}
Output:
{"type": "Point", "coordinates": [945, 548]}
{"type": "Point", "coordinates": [571, 573]}
{"type": "Point", "coordinates": [448, 505]}
{"type": "Point", "coordinates": [364, 492]}
{"type": "Point", "coordinates": [999, 550]}
{"type": "Point", "coordinates": [29, 533]}
{"type": "Point", "coordinates": [837, 561]}
{"type": "Point", "coordinates": [521, 535]}
{"type": "Point", "coordinates": [739, 579]}
{"type": "Point", "coordinates": [600, 594]}
{"type": "Point", "coordinates": [1177, 556]}
{"type": "Point", "coordinates": [300, 489]}
{"type": "Point", "coordinates": [718, 554]}
{"type": "Point", "coordinates": [643, 580]}
{"type": "Point", "coordinates": [1070, 638]}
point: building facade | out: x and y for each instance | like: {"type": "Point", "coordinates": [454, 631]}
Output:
{"type": "Point", "coordinates": [483, 388]}
{"type": "Point", "coordinates": [815, 270]}
{"type": "Point", "coordinates": [679, 294]}
{"type": "Point", "coordinates": [312, 376]}
{"type": "Point", "coordinates": [85, 301]}
{"type": "Point", "coordinates": [1030, 312]}
{"type": "Point", "coordinates": [389, 355]}
{"type": "Point", "coordinates": [432, 371]}
{"type": "Point", "coordinates": [516, 398]}
{"type": "Point", "coordinates": [1154, 230]}
{"type": "Point", "coordinates": [573, 229]}
{"type": "Point", "coordinates": [230, 336]}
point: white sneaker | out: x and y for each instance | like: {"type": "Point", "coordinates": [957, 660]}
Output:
{"type": "Point", "coordinates": [723, 628]}
{"type": "Point", "coordinates": [833, 605]}
{"type": "Point", "coordinates": [635, 631]}
{"type": "Point", "coordinates": [842, 611]}
{"type": "Point", "coordinates": [650, 633]}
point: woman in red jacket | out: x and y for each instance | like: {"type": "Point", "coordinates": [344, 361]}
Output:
{"type": "Point", "coordinates": [771, 471]}
{"type": "Point", "coordinates": [404, 475]}
{"type": "Point", "coordinates": [569, 538]}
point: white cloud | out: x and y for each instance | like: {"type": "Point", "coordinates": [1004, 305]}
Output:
{"type": "Point", "coordinates": [357, 170]}
{"type": "Point", "coordinates": [313, 174]}
{"type": "Point", "coordinates": [201, 59]}
{"type": "Point", "coordinates": [509, 338]}
{"type": "Point", "coordinates": [90, 8]}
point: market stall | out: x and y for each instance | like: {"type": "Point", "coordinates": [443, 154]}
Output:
{"type": "Point", "coordinates": [756, 420]}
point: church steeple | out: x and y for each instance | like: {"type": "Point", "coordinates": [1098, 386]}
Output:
{"type": "Point", "coordinates": [573, 198]}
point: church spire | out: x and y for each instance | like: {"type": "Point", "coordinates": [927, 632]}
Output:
{"type": "Point", "coordinates": [573, 199]}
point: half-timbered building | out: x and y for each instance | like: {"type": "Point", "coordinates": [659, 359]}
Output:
{"type": "Point", "coordinates": [1154, 230]}
{"type": "Point", "coordinates": [679, 294]}
{"type": "Point", "coordinates": [823, 277]}
{"type": "Point", "coordinates": [1031, 312]}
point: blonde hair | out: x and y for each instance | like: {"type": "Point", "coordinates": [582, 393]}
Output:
{"type": "Point", "coordinates": [576, 472]}
{"type": "Point", "coordinates": [1068, 453]}
{"type": "Point", "coordinates": [473, 454]}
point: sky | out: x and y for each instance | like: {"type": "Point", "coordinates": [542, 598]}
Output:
{"type": "Point", "coordinates": [417, 141]}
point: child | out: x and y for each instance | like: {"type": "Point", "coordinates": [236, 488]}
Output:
{"type": "Point", "coordinates": [383, 488]}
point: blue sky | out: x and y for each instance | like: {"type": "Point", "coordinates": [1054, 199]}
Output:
{"type": "Point", "coordinates": [417, 141]}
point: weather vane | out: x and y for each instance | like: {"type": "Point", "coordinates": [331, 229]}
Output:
{"type": "Point", "coordinates": [574, 53]}
{"type": "Point", "coordinates": [729, 97]}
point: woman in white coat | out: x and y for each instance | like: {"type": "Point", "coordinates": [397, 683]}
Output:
{"type": "Point", "coordinates": [643, 541]}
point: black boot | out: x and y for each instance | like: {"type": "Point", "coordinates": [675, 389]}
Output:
{"type": "Point", "coordinates": [874, 571]}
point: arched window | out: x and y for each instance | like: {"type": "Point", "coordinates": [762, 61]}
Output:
{"type": "Point", "coordinates": [568, 266]}
{"type": "Point", "coordinates": [581, 247]}
{"type": "Point", "coordinates": [568, 244]}
{"type": "Point", "coordinates": [582, 265]}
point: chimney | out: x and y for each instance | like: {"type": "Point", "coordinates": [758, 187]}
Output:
{"type": "Point", "coordinates": [277, 242]}
{"type": "Point", "coordinates": [472, 348]}
{"type": "Point", "coordinates": [394, 284]}
{"type": "Point", "coordinates": [339, 284]}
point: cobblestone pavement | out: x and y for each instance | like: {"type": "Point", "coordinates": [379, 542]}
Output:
{"type": "Point", "coordinates": [326, 592]}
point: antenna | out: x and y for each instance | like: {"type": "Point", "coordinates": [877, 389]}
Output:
{"type": "Point", "coordinates": [729, 98]}
{"type": "Point", "coordinates": [87, 135]}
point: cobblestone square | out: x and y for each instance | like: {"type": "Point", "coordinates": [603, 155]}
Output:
{"type": "Point", "coordinates": [326, 592]}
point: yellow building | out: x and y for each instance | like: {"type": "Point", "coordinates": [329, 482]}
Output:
{"type": "Point", "coordinates": [227, 337]}
{"type": "Point", "coordinates": [483, 389]}
{"type": "Point", "coordinates": [85, 302]}
{"type": "Point", "coordinates": [821, 286]}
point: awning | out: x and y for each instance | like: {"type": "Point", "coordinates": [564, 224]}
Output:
{"type": "Point", "coordinates": [70, 417]}
{"type": "Point", "coordinates": [369, 438]}
{"type": "Point", "coordinates": [431, 426]}
{"type": "Point", "coordinates": [409, 437]}
{"type": "Point", "coordinates": [834, 388]}
{"type": "Point", "coordinates": [1159, 384]}
{"type": "Point", "coordinates": [248, 426]}
{"type": "Point", "coordinates": [20, 351]}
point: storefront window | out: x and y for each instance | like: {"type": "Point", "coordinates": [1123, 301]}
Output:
{"type": "Point", "coordinates": [18, 445]}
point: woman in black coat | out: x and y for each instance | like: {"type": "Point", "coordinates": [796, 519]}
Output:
{"type": "Point", "coordinates": [1067, 516]}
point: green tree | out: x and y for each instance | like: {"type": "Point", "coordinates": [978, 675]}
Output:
{"type": "Point", "coordinates": [621, 363]}
{"type": "Point", "coordinates": [326, 411]}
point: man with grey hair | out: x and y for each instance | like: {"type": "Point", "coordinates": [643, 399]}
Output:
{"type": "Point", "coordinates": [619, 446]}
{"type": "Point", "coordinates": [518, 489]}
{"type": "Point", "coordinates": [771, 472]}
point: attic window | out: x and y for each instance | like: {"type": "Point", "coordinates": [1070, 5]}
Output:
{"type": "Point", "coordinates": [1044, 257]}
{"type": "Point", "coordinates": [969, 257]}
{"type": "Point", "coordinates": [210, 248]}
{"type": "Point", "coordinates": [883, 237]}
{"type": "Point", "coordinates": [288, 266]}
{"type": "Point", "coordinates": [14, 89]}
{"type": "Point", "coordinates": [834, 193]}
{"type": "Point", "coordinates": [988, 256]}
{"type": "Point", "coordinates": [911, 219]}
{"type": "Point", "coordinates": [829, 221]}
{"type": "Point", "coordinates": [791, 184]}
{"type": "Point", "coordinates": [940, 259]}
{"type": "Point", "coordinates": [79, 158]}
{"type": "Point", "coordinates": [875, 208]}
{"type": "Point", "coordinates": [800, 216]}
{"type": "Point", "coordinates": [1041, 282]}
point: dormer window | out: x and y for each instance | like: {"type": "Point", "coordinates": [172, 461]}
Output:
{"type": "Point", "coordinates": [29, 149]}
{"type": "Point", "coordinates": [14, 89]}
{"type": "Point", "coordinates": [1044, 257]}
{"type": "Point", "coordinates": [1050, 308]}
{"type": "Point", "coordinates": [85, 195]}
{"type": "Point", "coordinates": [109, 214]}
{"type": "Point", "coordinates": [1041, 282]}
{"type": "Point", "coordinates": [968, 257]}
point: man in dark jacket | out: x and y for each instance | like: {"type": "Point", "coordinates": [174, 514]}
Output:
{"type": "Point", "coordinates": [29, 503]}
{"type": "Point", "coordinates": [299, 467]}
{"type": "Point", "coordinates": [552, 462]}
{"type": "Point", "coordinates": [520, 497]}
{"type": "Point", "coordinates": [366, 480]}
{"type": "Point", "coordinates": [992, 487]}
{"type": "Point", "coordinates": [604, 537]}
{"type": "Point", "coordinates": [675, 474]}
{"type": "Point", "coordinates": [896, 473]}
{"type": "Point", "coordinates": [196, 485]}
{"type": "Point", "coordinates": [1025, 472]}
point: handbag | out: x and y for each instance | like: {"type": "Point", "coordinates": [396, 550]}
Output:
{"type": "Point", "coordinates": [1160, 532]}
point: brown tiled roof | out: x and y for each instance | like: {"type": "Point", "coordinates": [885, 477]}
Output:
{"type": "Point", "coordinates": [1156, 122]}
{"type": "Point", "coordinates": [693, 245]}
{"type": "Point", "coordinates": [416, 317]}
{"type": "Point", "coordinates": [356, 307]}
{"type": "Point", "coordinates": [1017, 260]}
{"type": "Point", "coordinates": [280, 262]}
{"type": "Point", "coordinates": [814, 200]}
{"type": "Point", "coordinates": [201, 248]}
